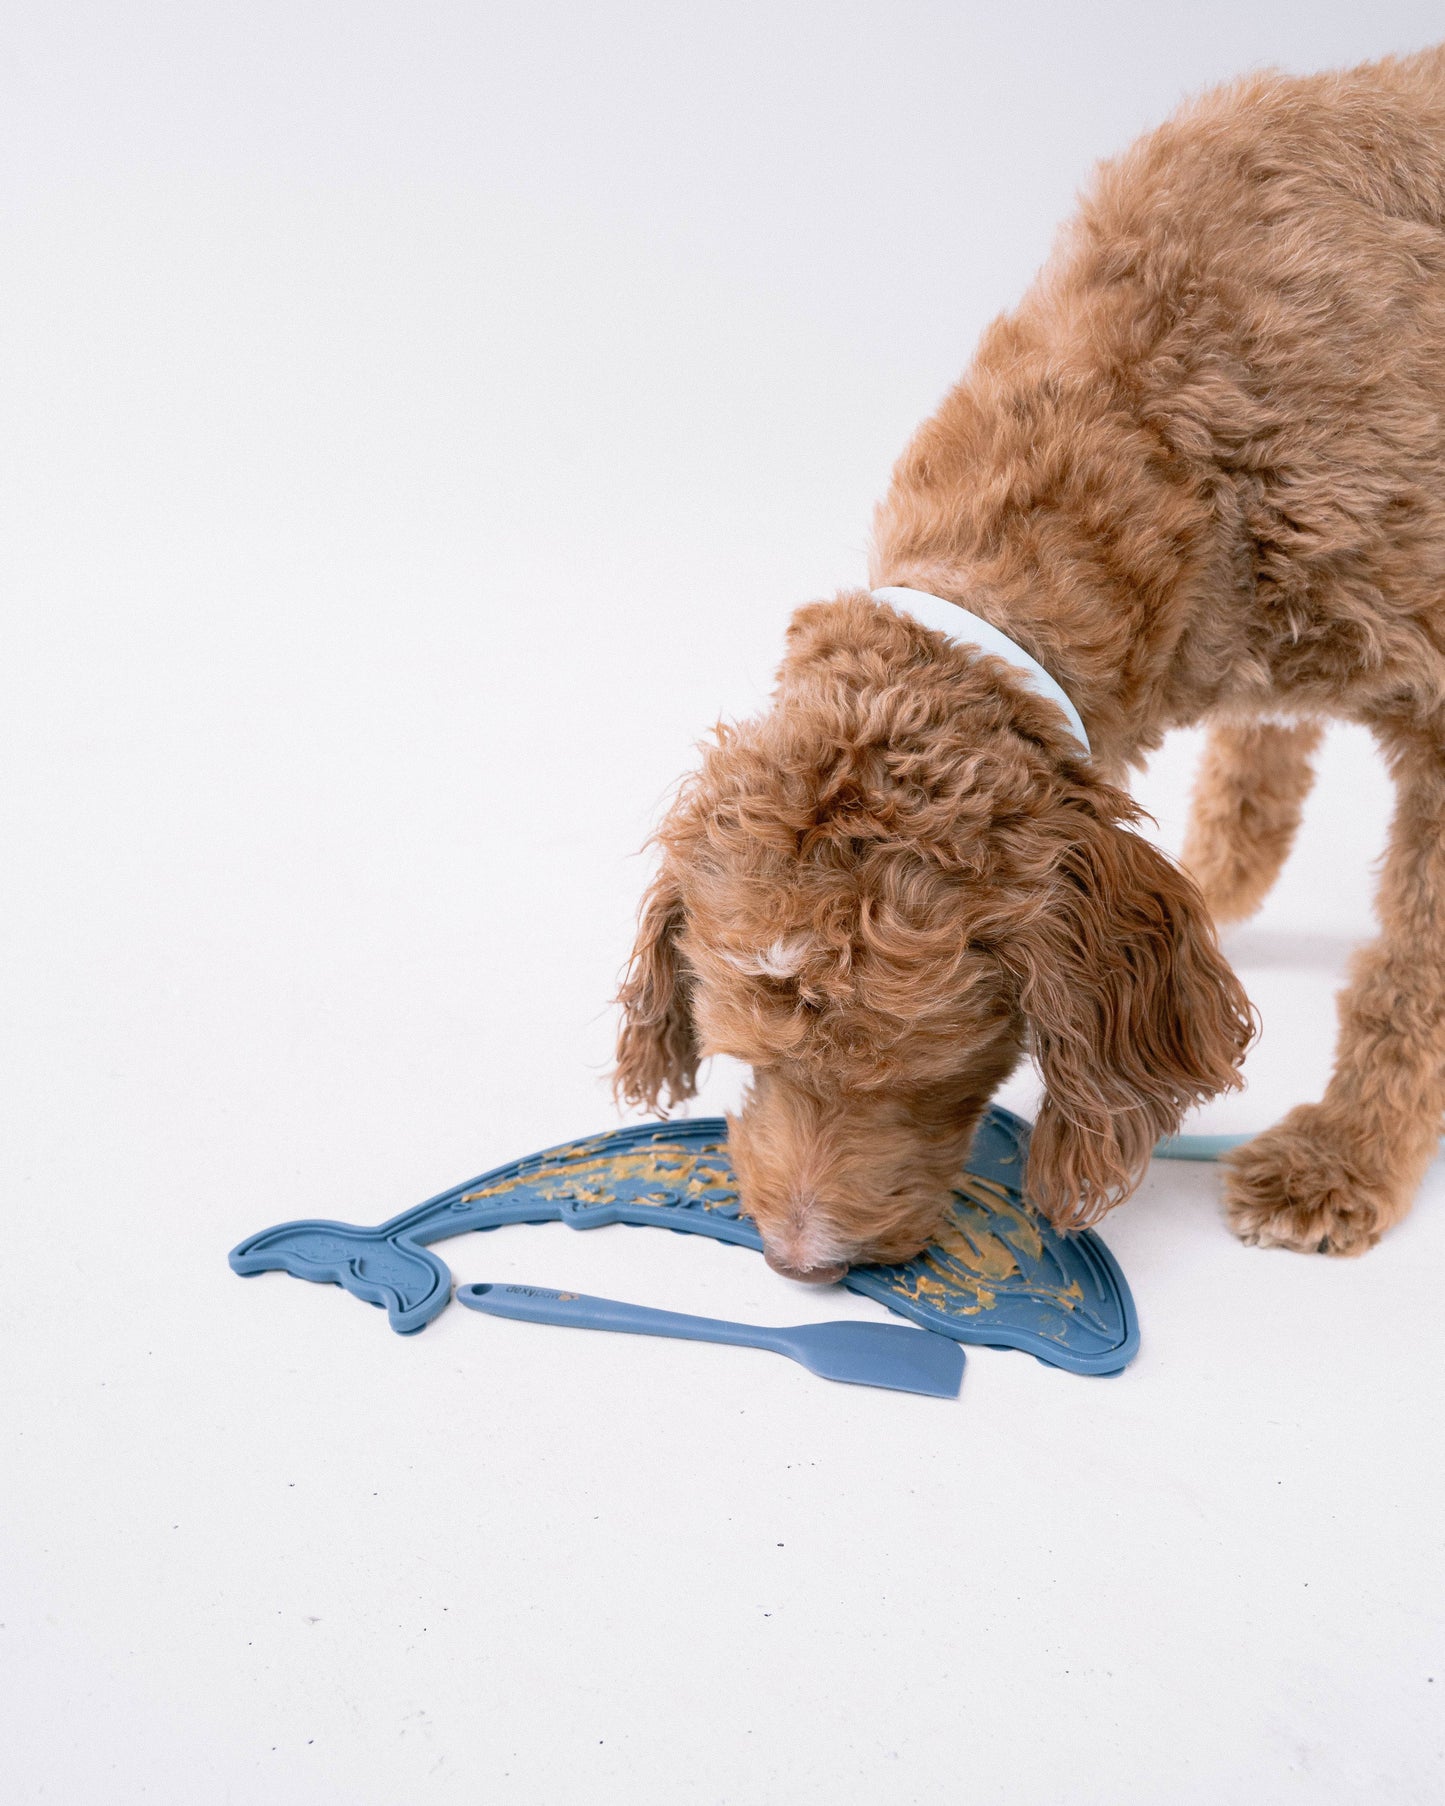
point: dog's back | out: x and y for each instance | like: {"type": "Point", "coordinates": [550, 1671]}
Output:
{"type": "Point", "coordinates": [1230, 378]}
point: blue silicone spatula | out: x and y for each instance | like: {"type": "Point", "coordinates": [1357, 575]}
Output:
{"type": "Point", "coordinates": [863, 1354]}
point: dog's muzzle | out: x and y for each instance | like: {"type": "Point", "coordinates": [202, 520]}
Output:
{"type": "Point", "coordinates": [812, 1276]}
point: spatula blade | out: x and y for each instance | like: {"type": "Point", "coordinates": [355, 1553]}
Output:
{"type": "Point", "coordinates": [877, 1354]}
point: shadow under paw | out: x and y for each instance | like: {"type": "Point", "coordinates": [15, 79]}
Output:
{"type": "Point", "coordinates": [1293, 1188]}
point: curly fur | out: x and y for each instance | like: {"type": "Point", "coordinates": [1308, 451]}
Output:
{"type": "Point", "coordinates": [1200, 474]}
{"type": "Point", "coordinates": [1248, 799]}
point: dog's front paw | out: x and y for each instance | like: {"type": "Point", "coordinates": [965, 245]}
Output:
{"type": "Point", "coordinates": [1303, 1185]}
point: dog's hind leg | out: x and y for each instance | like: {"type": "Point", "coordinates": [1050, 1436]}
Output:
{"type": "Point", "coordinates": [1246, 806]}
{"type": "Point", "coordinates": [1333, 1176]}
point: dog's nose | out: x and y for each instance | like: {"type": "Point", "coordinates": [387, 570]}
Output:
{"type": "Point", "coordinates": [813, 1276]}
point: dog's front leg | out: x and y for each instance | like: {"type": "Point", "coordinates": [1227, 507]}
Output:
{"type": "Point", "coordinates": [1246, 807]}
{"type": "Point", "coordinates": [1333, 1176]}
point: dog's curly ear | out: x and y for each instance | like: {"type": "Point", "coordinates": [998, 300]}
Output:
{"type": "Point", "coordinates": [657, 1049]}
{"type": "Point", "coordinates": [1135, 1014]}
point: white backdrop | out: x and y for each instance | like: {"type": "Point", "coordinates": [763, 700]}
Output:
{"type": "Point", "coordinates": [419, 420]}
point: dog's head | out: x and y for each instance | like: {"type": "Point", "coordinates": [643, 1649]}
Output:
{"type": "Point", "coordinates": [877, 895]}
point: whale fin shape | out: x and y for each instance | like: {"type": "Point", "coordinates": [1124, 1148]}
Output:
{"type": "Point", "coordinates": [383, 1268]}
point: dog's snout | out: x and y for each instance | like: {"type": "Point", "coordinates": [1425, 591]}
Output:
{"type": "Point", "coordinates": [813, 1276]}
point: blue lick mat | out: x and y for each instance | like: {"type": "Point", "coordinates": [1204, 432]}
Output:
{"type": "Point", "coordinates": [999, 1275]}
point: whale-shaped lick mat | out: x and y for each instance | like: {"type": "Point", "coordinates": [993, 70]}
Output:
{"type": "Point", "coordinates": [998, 1275]}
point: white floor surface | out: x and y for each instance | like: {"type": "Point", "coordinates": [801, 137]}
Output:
{"type": "Point", "coordinates": [419, 421]}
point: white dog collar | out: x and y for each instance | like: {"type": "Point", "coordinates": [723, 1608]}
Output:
{"type": "Point", "coordinates": [964, 629]}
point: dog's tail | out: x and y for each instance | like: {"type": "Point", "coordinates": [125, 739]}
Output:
{"type": "Point", "coordinates": [1246, 807]}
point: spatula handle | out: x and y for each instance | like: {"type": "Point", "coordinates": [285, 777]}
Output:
{"type": "Point", "coordinates": [536, 1304]}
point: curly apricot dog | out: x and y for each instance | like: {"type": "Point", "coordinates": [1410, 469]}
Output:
{"type": "Point", "coordinates": [1199, 475]}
